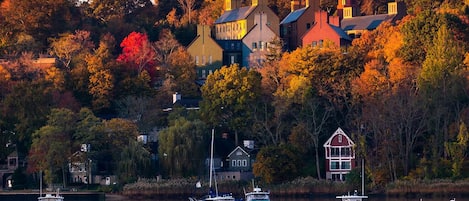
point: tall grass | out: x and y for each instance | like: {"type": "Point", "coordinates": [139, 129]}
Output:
{"type": "Point", "coordinates": [182, 188]}
{"type": "Point", "coordinates": [428, 188]}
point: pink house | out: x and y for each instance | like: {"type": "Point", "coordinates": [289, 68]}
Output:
{"type": "Point", "coordinates": [326, 28]}
{"type": "Point", "coordinates": [340, 156]}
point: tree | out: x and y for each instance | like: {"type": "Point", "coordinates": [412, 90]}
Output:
{"type": "Point", "coordinates": [51, 147]}
{"type": "Point", "coordinates": [101, 82]}
{"type": "Point", "coordinates": [165, 47]}
{"type": "Point", "coordinates": [182, 72]}
{"type": "Point", "coordinates": [109, 10]}
{"type": "Point", "coordinates": [188, 7]}
{"type": "Point", "coordinates": [182, 145]}
{"type": "Point", "coordinates": [69, 46]}
{"type": "Point", "coordinates": [210, 11]}
{"type": "Point", "coordinates": [135, 162]}
{"type": "Point", "coordinates": [112, 137]}
{"type": "Point", "coordinates": [457, 150]}
{"type": "Point", "coordinates": [228, 96]}
{"type": "Point", "coordinates": [38, 18]}
{"type": "Point", "coordinates": [142, 110]}
{"type": "Point", "coordinates": [137, 52]}
{"type": "Point", "coordinates": [277, 163]}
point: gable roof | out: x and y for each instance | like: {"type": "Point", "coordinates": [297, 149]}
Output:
{"type": "Point", "coordinates": [340, 32]}
{"type": "Point", "coordinates": [293, 16]}
{"type": "Point", "coordinates": [339, 131]}
{"type": "Point", "coordinates": [253, 28]}
{"type": "Point", "coordinates": [238, 148]}
{"type": "Point", "coordinates": [236, 14]}
{"type": "Point", "coordinates": [368, 22]}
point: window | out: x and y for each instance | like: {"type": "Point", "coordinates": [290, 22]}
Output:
{"type": "Point", "coordinates": [245, 163]}
{"type": "Point", "coordinates": [308, 25]}
{"type": "Point", "coordinates": [345, 165]}
{"type": "Point", "coordinates": [320, 43]}
{"type": "Point", "coordinates": [345, 151]}
{"type": "Point", "coordinates": [339, 138]}
{"type": "Point", "coordinates": [254, 45]}
{"type": "Point", "coordinates": [314, 43]}
{"type": "Point", "coordinates": [233, 163]}
{"type": "Point", "coordinates": [203, 60]}
{"type": "Point", "coordinates": [336, 177]}
{"type": "Point", "coordinates": [196, 60]}
{"type": "Point", "coordinates": [335, 165]}
{"type": "Point", "coordinates": [232, 59]}
{"type": "Point", "coordinates": [238, 153]}
{"type": "Point", "coordinates": [344, 2]}
{"type": "Point", "coordinates": [232, 46]}
{"type": "Point", "coordinates": [261, 44]}
{"type": "Point", "coordinates": [238, 163]}
{"type": "Point", "coordinates": [204, 73]}
{"type": "Point", "coordinates": [210, 59]}
{"type": "Point", "coordinates": [334, 151]}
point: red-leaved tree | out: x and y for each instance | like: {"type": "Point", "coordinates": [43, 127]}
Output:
{"type": "Point", "coordinates": [137, 53]}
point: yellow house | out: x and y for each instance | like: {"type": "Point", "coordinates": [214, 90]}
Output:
{"type": "Point", "coordinates": [206, 52]}
{"type": "Point", "coordinates": [236, 21]}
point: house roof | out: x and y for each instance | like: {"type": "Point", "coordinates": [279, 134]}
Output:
{"type": "Point", "coordinates": [340, 32]}
{"type": "Point", "coordinates": [293, 16]}
{"type": "Point", "coordinates": [236, 14]}
{"type": "Point", "coordinates": [339, 131]}
{"type": "Point", "coordinates": [188, 103]}
{"type": "Point", "coordinates": [255, 26]}
{"type": "Point", "coordinates": [236, 149]}
{"type": "Point", "coordinates": [368, 22]}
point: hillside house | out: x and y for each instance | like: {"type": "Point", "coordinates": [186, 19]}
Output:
{"type": "Point", "coordinates": [354, 25]}
{"type": "Point", "coordinates": [326, 28]}
{"type": "Point", "coordinates": [340, 156]}
{"type": "Point", "coordinates": [239, 27]}
{"type": "Point", "coordinates": [239, 163]}
{"type": "Point", "coordinates": [207, 53]}
{"type": "Point", "coordinates": [298, 22]}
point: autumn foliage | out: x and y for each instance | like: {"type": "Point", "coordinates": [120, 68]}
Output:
{"type": "Point", "coordinates": [137, 52]}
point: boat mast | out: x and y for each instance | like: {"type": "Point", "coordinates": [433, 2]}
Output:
{"type": "Point", "coordinates": [40, 183]}
{"type": "Point", "coordinates": [211, 158]}
{"type": "Point", "coordinates": [363, 177]}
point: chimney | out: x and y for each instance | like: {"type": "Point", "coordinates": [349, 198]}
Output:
{"type": "Point", "coordinates": [258, 2]}
{"type": "Point", "coordinates": [176, 97]}
{"type": "Point", "coordinates": [295, 5]}
{"type": "Point", "coordinates": [392, 8]}
{"type": "Point", "coordinates": [334, 20]}
{"type": "Point", "coordinates": [248, 144]}
{"type": "Point", "coordinates": [231, 5]}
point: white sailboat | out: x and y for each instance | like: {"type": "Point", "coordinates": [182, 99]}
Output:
{"type": "Point", "coordinates": [48, 196]}
{"type": "Point", "coordinates": [355, 196]}
{"type": "Point", "coordinates": [213, 196]}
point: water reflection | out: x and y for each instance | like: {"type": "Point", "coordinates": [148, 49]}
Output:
{"type": "Point", "coordinates": [371, 198]}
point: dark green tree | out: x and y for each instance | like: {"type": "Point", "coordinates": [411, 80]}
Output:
{"type": "Point", "coordinates": [277, 163]}
{"type": "Point", "coordinates": [182, 147]}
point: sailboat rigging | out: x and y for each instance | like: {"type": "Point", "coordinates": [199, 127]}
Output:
{"type": "Point", "coordinates": [213, 196]}
{"type": "Point", "coordinates": [355, 196]}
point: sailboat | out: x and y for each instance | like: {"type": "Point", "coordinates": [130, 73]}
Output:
{"type": "Point", "coordinates": [48, 196]}
{"type": "Point", "coordinates": [213, 195]}
{"type": "Point", "coordinates": [355, 196]}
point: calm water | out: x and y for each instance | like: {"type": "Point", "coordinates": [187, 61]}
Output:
{"type": "Point", "coordinates": [315, 199]}
{"type": "Point", "coordinates": [120, 198]}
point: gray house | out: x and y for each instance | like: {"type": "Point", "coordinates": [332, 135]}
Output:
{"type": "Point", "coordinates": [240, 162]}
